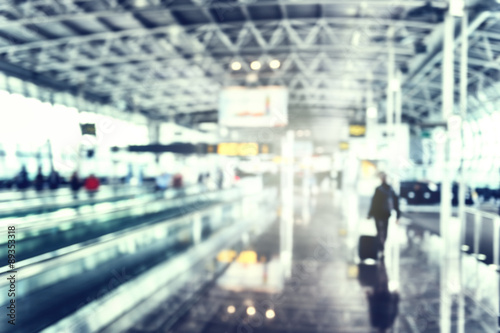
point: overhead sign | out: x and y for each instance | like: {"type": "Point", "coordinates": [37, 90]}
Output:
{"type": "Point", "coordinates": [253, 107]}
{"type": "Point", "coordinates": [88, 129]}
{"type": "Point", "coordinates": [264, 149]}
{"type": "Point", "coordinates": [238, 149]}
{"type": "Point", "coordinates": [227, 149]}
{"type": "Point", "coordinates": [243, 149]}
{"type": "Point", "coordinates": [357, 130]}
{"type": "Point", "coordinates": [177, 148]}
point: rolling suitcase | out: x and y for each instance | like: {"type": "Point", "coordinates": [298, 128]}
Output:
{"type": "Point", "coordinates": [367, 247]}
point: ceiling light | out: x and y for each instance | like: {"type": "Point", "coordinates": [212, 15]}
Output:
{"type": "Point", "coordinates": [231, 309]}
{"type": "Point", "coordinates": [300, 133]}
{"type": "Point", "coordinates": [457, 7]}
{"type": "Point", "coordinates": [270, 314]}
{"type": "Point", "coordinates": [275, 64]}
{"type": "Point", "coordinates": [307, 133]}
{"type": "Point", "coordinates": [236, 66]}
{"type": "Point", "coordinates": [250, 311]}
{"type": "Point", "coordinates": [255, 65]}
{"type": "Point", "coordinates": [141, 3]}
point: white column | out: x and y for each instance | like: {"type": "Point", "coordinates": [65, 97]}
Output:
{"type": "Point", "coordinates": [390, 77]}
{"type": "Point", "coordinates": [287, 196]}
{"type": "Point", "coordinates": [371, 125]}
{"type": "Point", "coordinates": [398, 110]}
{"type": "Point", "coordinates": [462, 183]}
{"type": "Point", "coordinates": [445, 209]}
{"type": "Point", "coordinates": [306, 188]}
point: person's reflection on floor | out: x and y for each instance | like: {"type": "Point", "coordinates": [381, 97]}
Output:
{"type": "Point", "coordinates": [383, 303]}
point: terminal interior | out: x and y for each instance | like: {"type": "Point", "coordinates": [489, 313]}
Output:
{"type": "Point", "coordinates": [203, 166]}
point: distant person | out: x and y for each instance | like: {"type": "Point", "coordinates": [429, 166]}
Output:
{"type": "Point", "coordinates": [75, 184]}
{"type": "Point", "coordinates": [22, 181]}
{"type": "Point", "coordinates": [162, 182]}
{"type": "Point", "coordinates": [220, 179]}
{"type": "Point", "coordinates": [54, 180]}
{"type": "Point", "coordinates": [177, 181]}
{"type": "Point", "coordinates": [206, 179]}
{"type": "Point", "coordinates": [201, 178]}
{"type": "Point", "coordinates": [38, 182]}
{"type": "Point", "coordinates": [92, 184]}
{"type": "Point", "coordinates": [382, 302]}
{"type": "Point", "coordinates": [384, 201]}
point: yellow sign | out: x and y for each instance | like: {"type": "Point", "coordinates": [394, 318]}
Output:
{"type": "Point", "coordinates": [247, 257]}
{"type": "Point", "coordinates": [265, 149]}
{"type": "Point", "coordinates": [357, 130]}
{"type": "Point", "coordinates": [238, 149]}
{"type": "Point", "coordinates": [344, 145]}
{"type": "Point", "coordinates": [226, 256]}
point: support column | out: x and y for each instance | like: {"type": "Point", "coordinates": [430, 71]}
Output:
{"type": "Point", "coordinates": [462, 183]}
{"type": "Point", "coordinates": [398, 110]}
{"type": "Point", "coordinates": [371, 125]}
{"type": "Point", "coordinates": [390, 79]}
{"type": "Point", "coordinates": [306, 189]}
{"type": "Point", "coordinates": [287, 196]}
{"type": "Point", "coordinates": [463, 115]}
{"type": "Point", "coordinates": [445, 209]}
{"type": "Point", "coordinates": [154, 135]}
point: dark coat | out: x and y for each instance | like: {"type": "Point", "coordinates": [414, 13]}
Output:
{"type": "Point", "coordinates": [378, 207]}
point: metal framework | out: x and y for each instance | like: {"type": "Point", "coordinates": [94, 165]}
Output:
{"type": "Point", "coordinates": [169, 57]}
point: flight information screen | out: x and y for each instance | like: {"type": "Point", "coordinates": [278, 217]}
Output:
{"type": "Point", "coordinates": [253, 107]}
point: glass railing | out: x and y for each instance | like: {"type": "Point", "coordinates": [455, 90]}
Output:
{"type": "Point", "coordinates": [102, 312]}
{"type": "Point", "coordinates": [481, 240]}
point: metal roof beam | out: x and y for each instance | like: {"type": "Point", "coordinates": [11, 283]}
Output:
{"type": "Point", "coordinates": [102, 36]}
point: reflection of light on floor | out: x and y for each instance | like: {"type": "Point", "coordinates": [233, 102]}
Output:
{"type": "Point", "coordinates": [250, 311]}
{"type": "Point", "coordinates": [260, 276]}
{"type": "Point", "coordinates": [481, 257]}
{"type": "Point", "coordinates": [369, 261]}
{"type": "Point", "coordinates": [393, 285]}
{"type": "Point", "coordinates": [231, 309]}
{"type": "Point", "coordinates": [270, 314]}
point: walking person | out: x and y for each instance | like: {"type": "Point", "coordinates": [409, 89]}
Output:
{"type": "Point", "coordinates": [54, 180]}
{"type": "Point", "coordinates": [91, 185]}
{"type": "Point", "coordinates": [75, 184]}
{"type": "Point", "coordinates": [384, 201]}
{"type": "Point", "coordinates": [39, 180]}
{"type": "Point", "coordinates": [22, 181]}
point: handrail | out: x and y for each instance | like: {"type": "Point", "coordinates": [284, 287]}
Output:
{"type": "Point", "coordinates": [117, 242]}
{"type": "Point", "coordinates": [55, 218]}
{"type": "Point", "coordinates": [478, 218]}
{"type": "Point", "coordinates": [104, 238]}
{"type": "Point", "coordinates": [92, 316]}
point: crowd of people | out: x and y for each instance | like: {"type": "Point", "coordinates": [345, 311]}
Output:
{"type": "Point", "coordinates": [54, 181]}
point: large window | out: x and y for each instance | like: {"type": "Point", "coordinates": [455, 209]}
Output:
{"type": "Point", "coordinates": [33, 133]}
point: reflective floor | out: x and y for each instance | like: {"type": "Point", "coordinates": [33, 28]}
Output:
{"type": "Point", "coordinates": [329, 291]}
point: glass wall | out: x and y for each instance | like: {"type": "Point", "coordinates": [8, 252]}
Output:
{"type": "Point", "coordinates": [34, 133]}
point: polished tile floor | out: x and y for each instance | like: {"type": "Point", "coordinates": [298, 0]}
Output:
{"type": "Point", "coordinates": [329, 290]}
